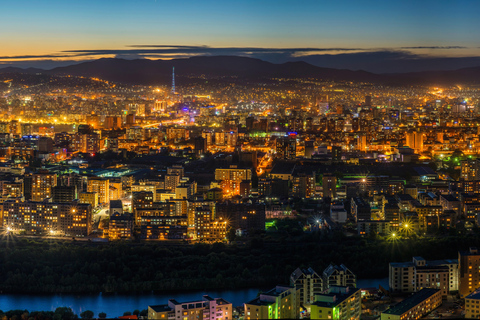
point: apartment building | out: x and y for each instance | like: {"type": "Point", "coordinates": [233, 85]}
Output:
{"type": "Point", "coordinates": [308, 283]}
{"type": "Point", "coordinates": [279, 303]}
{"type": "Point", "coordinates": [415, 306]}
{"type": "Point", "coordinates": [207, 309]}
{"type": "Point", "coordinates": [419, 273]}
{"type": "Point", "coordinates": [340, 276]}
{"type": "Point", "coordinates": [343, 303]}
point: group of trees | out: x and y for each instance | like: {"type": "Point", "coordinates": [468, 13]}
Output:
{"type": "Point", "coordinates": [48, 266]}
{"type": "Point", "coordinates": [61, 313]}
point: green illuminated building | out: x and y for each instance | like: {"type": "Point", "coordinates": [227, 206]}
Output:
{"type": "Point", "coordinates": [338, 303]}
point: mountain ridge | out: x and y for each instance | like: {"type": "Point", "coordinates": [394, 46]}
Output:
{"type": "Point", "coordinates": [155, 72]}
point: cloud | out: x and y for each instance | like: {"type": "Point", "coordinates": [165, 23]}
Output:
{"type": "Point", "coordinates": [173, 51]}
{"type": "Point", "coordinates": [401, 59]}
{"type": "Point", "coordinates": [139, 51]}
{"type": "Point", "coordinates": [435, 47]}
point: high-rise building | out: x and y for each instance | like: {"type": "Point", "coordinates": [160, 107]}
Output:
{"type": "Point", "coordinates": [362, 143]}
{"type": "Point", "coordinates": [286, 148]}
{"type": "Point", "coordinates": [468, 271]}
{"type": "Point", "coordinates": [414, 140]}
{"type": "Point", "coordinates": [408, 277]}
{"type": "Point", "coordinates": [64, 193]}
{"type": "Point", "coordinates": [336, 154]}
{"type": "Point", "coordinates": [200, 145]}
{"type": "Point", "coordinates": [322, 104]}
{"type": "Point", "coordinates": [303, 185]}
{"type": "Point", "coordinates": [360, 209]}
{"type": "Point", "coordinates": [368, 101]}
{"type": "Point", "coordinates": [120, 226]}
{"type": "Point", "coordinates": [340, 275]}
{"type": "Point", "coordinates": [101, 186]}
{"type": "Point", "coordinates": [232, 177]}
{"type": "Point", "coordinates": [470, 170]}
{"type": "Point", "coordinates": [329, 182]}
{"type": "Point", "coordinates": [279, 303]}
{"type": "Point", "coordinates": [42, 184]}
{"type": "Point", "coordinates": [47, 218]}
{"type": "Point", "coordinates": [308, 283]}
{"type": "Point", "coordinates": [339, 302]}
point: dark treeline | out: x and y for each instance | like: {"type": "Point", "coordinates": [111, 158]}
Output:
{"type": "Point", "coordinates": [61, 313]}
{"type": "Point", "coordinates": [45, 266]}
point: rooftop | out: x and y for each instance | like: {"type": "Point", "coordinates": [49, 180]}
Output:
{"type": "Point", "coordinates": [161, 308]}
{"type": "Point", "coordinates": [411, 301]}
{"type": "Point", "coordinates": [339, 298]}
{"type": "Point", "coordinates": [474, 295]}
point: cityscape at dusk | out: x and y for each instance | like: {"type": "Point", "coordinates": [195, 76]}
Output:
{"type": "Point", "coordinates": [245, 160]}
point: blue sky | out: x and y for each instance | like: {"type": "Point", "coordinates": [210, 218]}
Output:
{"type": "Point", "coordinates": [44, 27]}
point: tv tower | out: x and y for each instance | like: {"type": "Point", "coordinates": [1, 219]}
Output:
{"type": "Point", "coordinates": [173, 80]}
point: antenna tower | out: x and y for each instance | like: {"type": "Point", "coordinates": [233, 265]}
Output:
{"type": "Point", "coordinates": [173, 80]}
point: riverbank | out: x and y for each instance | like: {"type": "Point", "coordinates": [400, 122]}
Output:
{"type": "Point", "coordinates": [115, 305]}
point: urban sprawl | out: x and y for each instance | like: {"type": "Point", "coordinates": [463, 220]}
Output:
{"type": "Point", "coordinates": [91, 160]}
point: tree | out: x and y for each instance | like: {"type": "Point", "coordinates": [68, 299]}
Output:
{"type": "Point", "coordinates": [231, 234]}
{"type": "Point", "coordinates": [64, 313]}
{"type": "Point", "coordinates": [127, 313]}
{"type": "Point", "coordinates": [102, 315]}
{"type": "Point", "coordinates": [136, 312]}
{"type": "Point", "coordinates": [87, 314]}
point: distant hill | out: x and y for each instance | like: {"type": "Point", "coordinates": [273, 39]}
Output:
{"type": "Point", "coordinates": [153, 72]}
{"type": "Point", "coordinates": [160, 71]}
{"type": "Point", "coordinates": [20, 70]}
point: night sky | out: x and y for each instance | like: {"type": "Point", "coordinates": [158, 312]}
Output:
{"type": "Point", "coordinates": [51, 30]}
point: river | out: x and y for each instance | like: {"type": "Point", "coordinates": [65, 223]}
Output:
{"type": "Point", "coordinates": [115, 305]}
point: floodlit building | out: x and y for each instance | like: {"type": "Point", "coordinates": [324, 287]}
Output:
{"type": "Point", "coordinates": [337, 303]}
{"type": "Point", "coordinates": [279, 303]}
